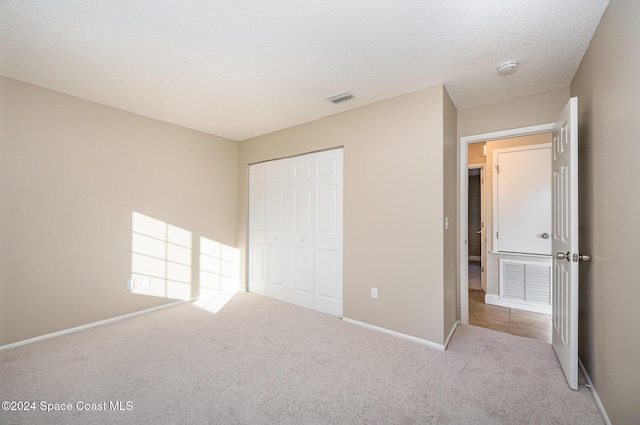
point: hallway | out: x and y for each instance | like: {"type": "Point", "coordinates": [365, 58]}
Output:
{"type": "Point", "coordinates": [503, 319]}
{"type": "Point", "coordinates": [509, 320]}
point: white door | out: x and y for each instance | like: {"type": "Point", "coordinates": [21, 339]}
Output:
{"type": "Point", "coordinates": [258, 228]}
{"type": "Point", "coordinates": [523, 200]}
{"type": "Point", "coordinates": [302, 236]}
{"type": "Point", "coordinates": [279, 206]}
{"type": "Point", "coordinates": [295, 230]}
{"type": "Point", "coordinates": [328, 232]}
{"type": "Point", "coordinates": [565, 241]}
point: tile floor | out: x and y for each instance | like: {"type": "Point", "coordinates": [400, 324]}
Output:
{"type": "Point", "coordinates": [475, 275]}
{"type": "Point", "coordinates": [508, 320]}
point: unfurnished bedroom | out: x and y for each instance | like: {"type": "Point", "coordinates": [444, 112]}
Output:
{"type": "Point", "coordinates": [318, 212]}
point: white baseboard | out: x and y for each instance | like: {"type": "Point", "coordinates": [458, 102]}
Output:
{"type": "Point", "coordinates": [594, 393]}
{"type": "Point", "coordinates": [495, 300]}
{"type": "Point", "coordinates": [90, 325]}
{"type": "Point", "coordinates": [398, 334]}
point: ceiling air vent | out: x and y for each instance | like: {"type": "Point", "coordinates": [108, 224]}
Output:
{"type": "Point", "coordinates": [341, 97]}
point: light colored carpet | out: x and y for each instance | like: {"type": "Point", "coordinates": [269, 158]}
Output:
{"type": "Point", "coordinates": [261, 361]}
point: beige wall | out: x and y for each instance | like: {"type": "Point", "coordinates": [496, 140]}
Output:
{"type": "Point", "coordinates": [607, 86]}
{"type": "Point", "coordinates": [540, 108]}
{"type": "Point", "coordinates": [73, 172]}
{"type": "Point", "coordinates": [393, 206]}
{"type": "Point", "coordinates": [476, 153]}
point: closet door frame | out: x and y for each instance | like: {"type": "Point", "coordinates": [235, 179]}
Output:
{"type": "Point", "coordinates": [305, 237]}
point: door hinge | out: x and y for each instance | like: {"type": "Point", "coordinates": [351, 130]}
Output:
{"type": "Point", "coordinates": [497, 235]}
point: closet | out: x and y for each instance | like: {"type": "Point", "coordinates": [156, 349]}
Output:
{"type": "Point", "coordinates": [295, 230]}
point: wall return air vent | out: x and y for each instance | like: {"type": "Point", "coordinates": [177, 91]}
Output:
{"type": "Point", "coordinates": [342, 97]}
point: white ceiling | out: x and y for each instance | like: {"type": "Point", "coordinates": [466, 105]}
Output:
{"type": "Point", "coordinates": [241, 68]}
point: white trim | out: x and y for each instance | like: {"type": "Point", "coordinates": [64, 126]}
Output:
{"type": "Point", "coordinates": [451, 332]}
{"type": "Point", "coordinates": [463, 225]}
{"type": "Point", "coordinates": [505, 134]}
{"type": "Point", "coordinates": [594, 393]}
{"type": "Point", "coordinates": [477, 165]}
{"type": "Point", "coordinates": [296, 155]}
{"type": "Point", "coordinates": [521, 254]}
{"type": "Point", "coordinates": [90, 325]}
{"type": "Point", "coordinates": [475, 258]}
{"type": "Point", "coordinates": [494, 299]}
{"type": "Point", "coordinates": [397, 334]}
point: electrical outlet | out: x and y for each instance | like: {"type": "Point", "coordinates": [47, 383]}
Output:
{"type": "Point", "coordinates": [374, 293]}
{"type": "Point", "coordinates": [131, 283]}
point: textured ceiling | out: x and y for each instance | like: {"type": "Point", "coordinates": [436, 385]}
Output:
{"type": "Point", "coordinates": [243, 68]}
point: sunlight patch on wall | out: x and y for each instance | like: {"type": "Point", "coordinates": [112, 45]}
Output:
{"type": "Point", "coordinates": [162, 264]}
{"type": "Point", "coordinates": [219, 268]}
{"type": "Point", "coordinates": [160, 258]}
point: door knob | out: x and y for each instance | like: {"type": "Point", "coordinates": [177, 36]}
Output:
{"type": "Point", "coordinates": [479, 232]}
{"type": "Point", "coordinates": [545, 235]}
{"type": "Point", "coordinates": [563, 256]}
{"type": "Point", "coordinates": [584, 258]}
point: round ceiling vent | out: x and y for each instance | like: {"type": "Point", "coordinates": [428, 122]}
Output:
{"type": "Point", "coordinates": [508, 68]}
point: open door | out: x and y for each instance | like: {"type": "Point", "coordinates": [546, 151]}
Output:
{"type": "Point", "coordinates": [565, 241]}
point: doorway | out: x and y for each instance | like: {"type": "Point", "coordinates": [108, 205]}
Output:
{"type": "Point", "coordinates": [473, 309]}
{"type": "Point", "coordinates": [476, 234]}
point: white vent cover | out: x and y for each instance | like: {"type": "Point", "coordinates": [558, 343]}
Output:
{"type": "Point", "coordinates": [342, 97]}
{"type": "Point", "coordinates": [525, 282]}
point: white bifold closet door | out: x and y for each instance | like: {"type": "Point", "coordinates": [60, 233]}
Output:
{"type": "Point", "coordinates": [295, 230]}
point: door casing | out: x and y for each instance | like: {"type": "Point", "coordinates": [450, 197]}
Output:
{"type": "Point", "coordinates": [463, 193]}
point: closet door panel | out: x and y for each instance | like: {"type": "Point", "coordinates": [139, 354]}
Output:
{"type": "Point", "coordinates": [303, 277]}
{"type": "Point", "coordinates": [302, 232]}
{"type": "Point", "coordinates": [328, 232]}
{"type": "Point", "coordinates": [327, 275]}
{"type": "Point", "coordinates": [328, 210]}
{"type": "Point", "coordinates": [279, 207]}
{"type": "Point", "coordinates": [257, 227]}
